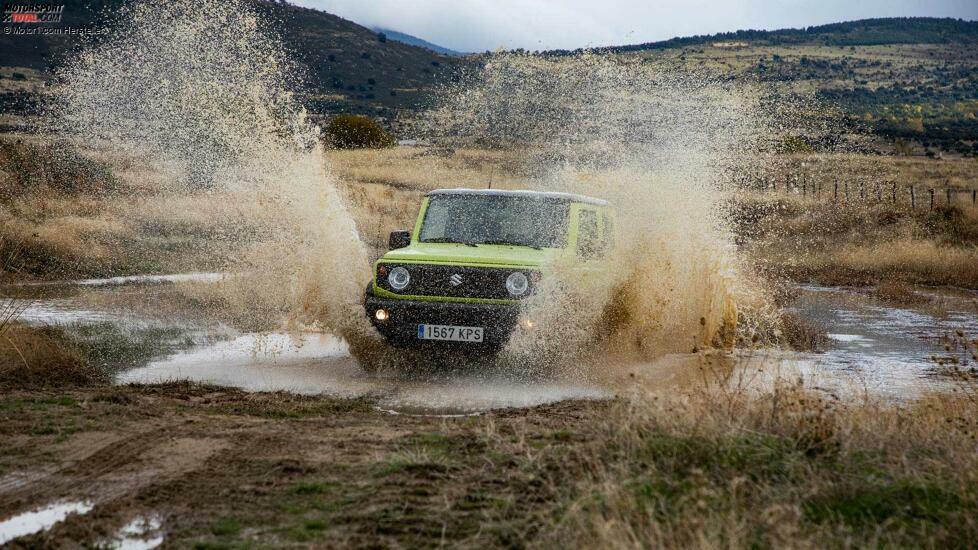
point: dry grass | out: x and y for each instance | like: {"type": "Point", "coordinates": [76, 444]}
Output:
{"type": "Point", "coordinates": [803, 334]}
{"type": "Point", "coordinates": [725, 467]}
{"type": "Point", "coordinates": [712, 464]}
{"type": "Point", "coordinates": [900, 293]}
{"type": "Point", "coordinates": [871, 177]}
{"type": "Point", "coordinates": [910, 260]}
{"type": "Point", "coordinates": [426, 169]}
{"type": "Point", "coordinates": [80, 225]}
{"type": "Point", "coordinates": [32, 357]}
{"type": "Point", "coordinates": [838, 243]}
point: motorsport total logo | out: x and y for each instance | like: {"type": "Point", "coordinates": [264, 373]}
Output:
{"type": "Point", "coordinates": [32, 12]}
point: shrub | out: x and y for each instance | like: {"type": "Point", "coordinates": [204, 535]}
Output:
{"type": "Point", "coordinates": [803, 334]}
{"type": "Point", "coordinates": [40, 357]}
{"type": "Point", "coordinates": [356, 132]}
{"type": "Point", "coordinates": [58, 167]}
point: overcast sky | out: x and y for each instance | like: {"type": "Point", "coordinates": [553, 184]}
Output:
{"type": "Point", "coordinates": [479, 25]}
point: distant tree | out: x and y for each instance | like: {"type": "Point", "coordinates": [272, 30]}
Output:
{"type": "Point", "coordinates": [356, 132]}
{"type": "Point", "coordinates": [381, 37]}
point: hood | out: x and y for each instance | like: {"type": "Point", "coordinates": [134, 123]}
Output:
{"type": "Point", "coordinates": [455, 253]}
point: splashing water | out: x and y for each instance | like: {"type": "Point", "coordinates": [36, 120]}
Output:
{"type": "Point", "coordinates": [661, 146]}
{"type": "Point", "coordinates": [202, 92]}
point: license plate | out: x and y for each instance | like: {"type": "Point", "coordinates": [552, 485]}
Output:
{"type": "Point", "coordinates": [452, 333]}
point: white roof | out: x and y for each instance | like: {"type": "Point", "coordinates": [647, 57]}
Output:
{"type": "Point", "coordinates": [570, 197]}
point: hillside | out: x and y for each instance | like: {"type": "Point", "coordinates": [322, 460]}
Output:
{"type": "Point", "coordinates": [911, 80]}
{"type": "Point", "coordinates": [864, 32]}
{"type": "Point", "coordinates": [350, 68]}
{"type": "Point", "coordinates": [415, 41]}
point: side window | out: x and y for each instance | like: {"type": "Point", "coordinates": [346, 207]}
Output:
{"type": "Point", "coordinates": [435, 224]}
{"type": "Point", "coordinates": [588, 245]}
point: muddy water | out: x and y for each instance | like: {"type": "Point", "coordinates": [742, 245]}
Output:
{"type": "Point", "coordinates": [872, 346]}
{"type": "Point", "coordinates": [40, 519]}
{"type": "Point", "coordinates": [321, 364]}
{"type": "Point", "coordinates": [882, 348]}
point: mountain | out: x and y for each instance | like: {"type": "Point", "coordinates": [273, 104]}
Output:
{"type": "Point", "coordinates": [349, 68]}
{"type": "Point", "coordinates": [906, 78]}
{"type": "Point", "coordinates": [912, 79]}
{"type": "Point", "coordinates": [864, 32]}
{"type": "Point", "coordinates": [415, 41]}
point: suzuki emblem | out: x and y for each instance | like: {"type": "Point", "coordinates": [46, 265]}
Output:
{"type": "Point", "coordinates": [455, 279]}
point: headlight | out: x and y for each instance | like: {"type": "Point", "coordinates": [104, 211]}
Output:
{"type": "Point", "coordinates": [399, 278]}
{"type": "Point", "coordinates": [516, 284]}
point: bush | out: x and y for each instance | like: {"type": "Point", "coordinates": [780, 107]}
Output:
{"type": "Point", "coordinates": [41, 357]}
{"type": "Point", "coordinates": [952, 224]}
{"type": "Point", "coordinates": [356, 132]}
{"type": "Point", "coordinates": [58, 167]}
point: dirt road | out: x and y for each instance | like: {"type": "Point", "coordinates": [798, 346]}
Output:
{"type": "Point", "coordinates": [205, 466]}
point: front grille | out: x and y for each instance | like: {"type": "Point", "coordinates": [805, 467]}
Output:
{"type": "Point", "coordinates": [436, 280]}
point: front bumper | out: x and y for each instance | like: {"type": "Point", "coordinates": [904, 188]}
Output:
{"type": "Point", "coordinates": [401, 327]}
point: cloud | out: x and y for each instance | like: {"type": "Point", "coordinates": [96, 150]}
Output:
{"type": "Point", "coordinates": [477, 25]}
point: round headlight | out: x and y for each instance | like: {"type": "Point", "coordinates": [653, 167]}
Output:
{"type": "Point", "coordinates": [517, 284]}
{"type": "Point", "coordinates": [399, 278]}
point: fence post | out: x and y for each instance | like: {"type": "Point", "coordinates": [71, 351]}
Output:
{"type": "Point", "coordinates": [879, 193]}
{"type": "Point", "coordinates": [894, 193]}
{"type": "Point", "coordinates": [847, 192]}
{"type": "Point", "coordinates": [913, 199]}
{"type": "Point", "coordinates": [862, 191]}
{"type": "Point", "coordinates": [931, 198]}
{"type": "Point", "coordinates": [974, 197]}
{"type": "Point", "coordinates": [804, 189]}
{"type": "Point", "coordinates": [835, 196]}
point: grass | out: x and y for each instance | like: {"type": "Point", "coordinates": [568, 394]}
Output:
{"type": "Point", "coordinates": [133, 224]}
{"type": "Point", "coordinates": [859, 244]}
{"type": "Point", "coordinates": [789, 467]}
{"type": "Point", "coordinates": [803, 334]}
{"type": "Point", "coordinates": [80, 354]}
{"type": "Point", "coordinates": [43, 357]}
{"type": "Point", "coordinates": [705, 465]}
{"type": "Point", "coordinates": [419, 459]}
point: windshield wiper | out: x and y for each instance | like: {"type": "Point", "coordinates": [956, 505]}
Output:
{"type": "Point", "coordinates": [447, 240]}
{"type": "Point", "coordinates": [514, 243]}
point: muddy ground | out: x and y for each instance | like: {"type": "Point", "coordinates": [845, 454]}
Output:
{"type": "Point", "coordinates": [219, 467]}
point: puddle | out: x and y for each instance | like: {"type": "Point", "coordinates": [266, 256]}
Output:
{"type": "Point", "coordinates": [64, 311]}
{"type": "Point", "coordinates": [320, 364]}
{"type": "Point", "coordinates": [136, 279]}
{"type": "Point", "coordinates": [40, 519]}
{"type": "Point", "coordinates": [884, 350]}
{"type": "Point", "coordinates": [887, 350]}
{"type": "Point", "coordinates": [141, 533]}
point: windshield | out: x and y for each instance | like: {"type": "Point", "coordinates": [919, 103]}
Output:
{"type": "Point", "coordinates": [494, 219]}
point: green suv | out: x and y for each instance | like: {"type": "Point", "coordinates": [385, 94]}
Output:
{"type": "Point", "coordinates": [474, 255]}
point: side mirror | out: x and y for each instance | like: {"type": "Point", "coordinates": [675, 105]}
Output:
{"type": "Point", "coordinates": [399, 239]}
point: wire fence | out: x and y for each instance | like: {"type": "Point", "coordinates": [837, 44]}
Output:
{"type": "Point", "coordinates": [844, 192]}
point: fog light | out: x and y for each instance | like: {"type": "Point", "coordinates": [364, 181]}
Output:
{"type": "Point", "coordinates": [381, 315]}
